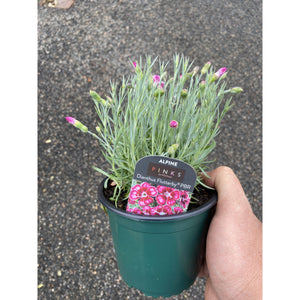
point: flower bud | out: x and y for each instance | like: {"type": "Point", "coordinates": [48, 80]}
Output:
{"type": "Point", "coordinates": [164, 74]}
{"type": "Point", "coordinates": [202, 85]}
{"type": "Point", "coordinates": [109, 100]}
{"type": "Point", "coordinates": [71, 120]}
{"type": "Point", "coordinates": [224, 75]}
{"type": "Point", "coordinates": [196, 70]}
{"type": "Point", "coordinates": [77, 124]}
{"type": "Point", "coordinates": [184, 93]}
{"type": "Point", "coordinates": [104, 102]}
{"type": "Point", "coordinates": [136, 67]}
{"type": "Point", "coordinates": [236, 90]}
{"type": "Point", "coordinates": [159, 92]}
{"type": "Point", "coordinates": [173, 124]}
{"type": "Point", "coordinates": [97, 98]}
{"type": "Point", "coordinates": [221, 73]}
{"type": "Point", "coordinates": [172, 149]}
{"type": "Point", "coordinates": [205, 68]}
{"type": "Point", "coordinates": [98, 129]}
{"type": "Point", "coordinates": [80, 126]}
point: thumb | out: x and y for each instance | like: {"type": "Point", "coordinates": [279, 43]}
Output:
{"type": "Point", "coordinates": [231, 196]}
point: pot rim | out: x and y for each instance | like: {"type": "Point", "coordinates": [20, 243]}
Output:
{"type": "Point", "coordinates": [108, 204]}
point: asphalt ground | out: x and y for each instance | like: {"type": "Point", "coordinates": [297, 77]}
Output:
{"type": "Point", "coordinates": [83, 48]}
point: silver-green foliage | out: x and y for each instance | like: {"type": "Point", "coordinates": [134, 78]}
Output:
{"type": "Point", "coordinates": [134, 120]}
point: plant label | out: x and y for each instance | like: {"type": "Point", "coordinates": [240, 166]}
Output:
{"type": "Point", "coordinates": [161, 186]}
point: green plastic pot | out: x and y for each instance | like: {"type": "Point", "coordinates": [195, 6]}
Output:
{"type": "Point", "coordinates": [159, 255]}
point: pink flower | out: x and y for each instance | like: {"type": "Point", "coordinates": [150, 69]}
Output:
{"type": "Point", "coordinates": [134, 64]}
{"type": "Point", "coordinates": [71, 120]}
{"type": "Point", "coordinates": [147, 210]}
{"type": "Point", "coordinates": [171, 202]}
{"type": "Point", "coordinates": [154, 211]}
{"type": "Point", "coordinates": [173, 124]}
{"type": "Point", "coordinates": [167, 194]}
{"type": "Point", "coordinates": [184, 199]}
{"type": "Point", "coordinates": [220, 72]}
{"type": "Point", "coordinates": [167, 209]}
{"type": "Point", "coordinates": [178, 210]}
{"type": "Point", "coordinates": [143, 193]}
{"type": "Point", "coordinates": [145, 201]}
{"type": "Point", "coordinates": [134, 211]}
{"type": "Point", "coordinates": [161, 210]}
{"type": "Point", "coordinates": [131, 200]}
{"type": "Point", "coordinates": [156, 81]}
{"type": "Point", "coordinates": [137, 211]}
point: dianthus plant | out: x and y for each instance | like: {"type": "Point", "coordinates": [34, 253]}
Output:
{"type": "Point", "coordinates": [175, 115]}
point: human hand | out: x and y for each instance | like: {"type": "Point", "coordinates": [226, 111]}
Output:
{"type": "Point", "coordinates": [233, 262]}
